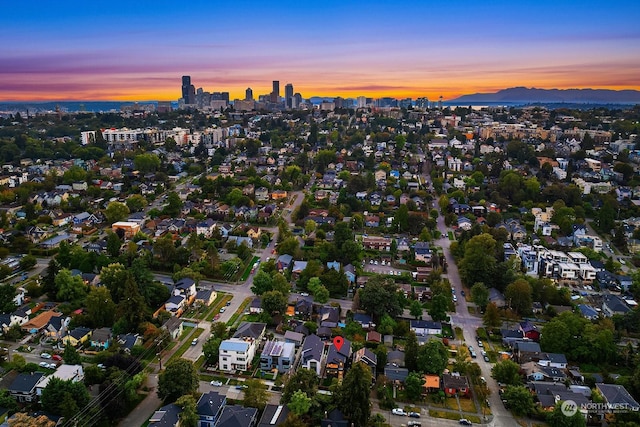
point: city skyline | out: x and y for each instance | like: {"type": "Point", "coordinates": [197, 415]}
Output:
{"type": "Point", "coordinates": [123, 51]}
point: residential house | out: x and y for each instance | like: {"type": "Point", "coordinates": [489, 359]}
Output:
{"type": "Point", "coordinates": [284, 262]}
{"type": "Point", "coordinates": [23, 387]}
{"type": "Point", "coordinates": [350, 272]}
{"type": "Point", "coordinates": [613, 304]}
{"type": "Point", "coordinates": [367, 357]}
{"type": "Point", "coordinates": [174, 326]}
{"type": "Point", "coordinates": [338, 360]}
{"type": "Point", "coordinates": [377, 243]}
{"type": "Point", "coordinates": [335, 418]}
{"type": "Point", "coordinates": [256, 306]}
{"type": "Point", "coordinates": [431, 383]}
{"type": "Point", "coordinates": [206, 296]}
{"type": "Point", "coordinates": [166, 416]}
{"type": "Point", "coordinates": [64, 372]}
{"type": "Point", "coordinates": [553, 360]}
{"type": "Point", "coordinates": [273, 415]}
{"type": "Point", "coordinates": [261, 194]}
{"type": "Point", "coordinates": [236, 354]}
{"type": "Point", "coordinates": [530, 331]}
{"type": "Point", "coordinates": [422, 252]}
{"type": "Point", "coordinates": [304, 308]}
{"type": "Point", "coordinates": [364, 320]}
{"type": "Point", "coordinates": [455, 384]}
{"type": "Point", "coordinates": [525, 351]}
{"type": "Point", "coordinates": [312, 354]}
{"type": "Point", "coordinates": [588, 311]}
{"type": "Point", "coordinates": [277, 355]}
{"type": "Point", "coordinates": [250, 331]}
{"type": "Point", "coordinates": [209, 408]}
{"type": "Point", "coordinates": [128, 341]}
{"type": "Point", "coordinates": [425, 327]}
{"type": "Point", "coordinates": [617, 397]}
{"type": "Point", "coordinates": [175, 304]}
{"type": "Point", "coordinates": [77, 336]}
{"type": "Point", "coordinates": [56, 328]}
{"type": "Point", "coordinates": [237, 416]}
{"type": "Point", "coordinates": [206, 228]}
{"type": "Point", "coordinates": [101, 338]}
{"type": "Point", "coordinates": [372, 221]}
{"type": "Point", "coordinates": [295, 338]}
{"type": "Point", "coordinates": [39, 322]}
{"type": "Point", "coordinates": [298, 268]}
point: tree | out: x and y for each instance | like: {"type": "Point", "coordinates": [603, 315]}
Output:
{"type": "Point", "coordinates": [7, 293]}
{"type": "Point", "coordinates": [519, 399]}
{"type": "Point", "coordinates": [479, 261]}
{"type": "Point", "coordinates": [432, 357]}
{"type": "Point", "coordinates": [219, 330]}
{"type": "Point", "coordinates": [136, 203]}
{"type": "Point", "coordinates": [411, 352]}
{"type": "Point", "coordinates": [100, 307]}
{"type": "Point", "coordinates": [491, 318]}
{"type": "Point", "coordinates": [132, 308]}
{"type": "Point", "coordinates": [558, 419]}
{"type": "Point", "coordinates": [255, 394]}
{"type": "Point", "coordinates": [304, 380]}
{"type": "Point", "coordinates": [71, 356]}
{"type": "Point", "coordinates": [274, 302]}
{"type": "Point", "coordinates": [380, 296]}
{"type": "Point", "coordinates": [439, 308]}
{"type": "Point", "coordinates": [413, 386]}
{"type": "Point", "coordinates": [173, 206]}
{"type": "Point", "coordinates": [211, 350]}
{"type": "Point", "coordinates": [113, 245]}
{"type": "Point", "coordinates": [518, 294]}
{"type": "Point", "coordinates": [116, 211]}
{"type": "Point", "coordinates": [146, 163]}
{"type": "Point", "coordinates": [61, 397]}
{"type": "Point", "coordinates": [321, 295]}
{"type": "Point", "coordinates": [70, 288]}
{"type": "Point", "coordinates": [293, 421]}
{"type": "Point", "coordinates": [262, 282]}
{"type": "Point", "coordinates": [555, 337]}
{"type": "Point", "coordinates": [27, 262]}
{"type": "Point", "coordinates": [7, 401]}
{"type": "Point", "coordinates": [352, 396]}
{"type": "Point", "coordinates": [507, 371]}
{"type": "Point", "coordinates": [189, 415]}
{"type": "Point", "coordinates": [480, 295]}
{"type": "Point", "coordinates": [299, 403]}
{"type": "Point", "coordinates": [23, 420]}
{"type": "Point", "coordinates": [415, 309]}
{"type": "Point", "coordinates": [179, 378]}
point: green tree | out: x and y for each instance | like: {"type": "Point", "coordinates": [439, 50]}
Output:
{"type": "Point", "coordinates": [59, 396]}
{"type": "Point", "coordinates": [27, 262]}
{"type": "Point", "coordinates": [432, 357]}
{"type": "Point", "coordinates": [100, 307]}
{"type": "Point", "coordinates": [7, 293]}
{"type": "Point", "coordinates": [519, 399]}
{"type": "Point", "coordinates": [304, 380]}
{"type": "Point", "coordinates": [211, 350]}
{"type": "Point", "coordinates": [147, 162]}
{"type": "Point", "coordinates": [255, 394]}
{"type": "Point", "coordinates": [491, 318]}
{"type": "Point", "coordinates": [480, 295]}
{"type": "Point", "coordinates": [411, 352]}
{"type": "Point", "coordinates": [352, 396]}
{"type": "Point", "coordinates": [262, 282]}
{"type": "Point", "coordinates": [116, 211]}
{"type": "Point", "coordinates": [71, 356]}
{"type": "Point", "coordinates": [173, 206]}
{"type": "Point", "coordinates": [415, 309]}
{"type": "Point", "coordinates": [113, 245]}
{"type": "Point", "coordinates": [507, 371]}
{"type": "Point", "coordinates": [380, 296]}
{"type": "Point", "coordinates": [479, 261]}
{"type": "Point", "coordinates": [300, 403]}
{"type": "Point", "coordinates": [219, 330]}
{"type": "Point", "coordinates": [439, 308]}
{"type": "Point", "coordinates": [70, 288]}
{"type": "Point", "coordinates": [136, 203]}
{"type": "Point", "coordinates": [132, 308]}
{"type": "Point", "coordinates": [321, 295]}
{"type": "Point", "coordinates": [189, 415]}
{"type": "Point", "coordinates": [179, 378]}
{"type": "Point", "coordinates": [413, 386]}
{"type": "Point", "coordinates": [274, 302]}
{"type": "Point", "coordinates": [558, 419]}
{"type": "Point", "coordinates": [7, 401]}
{"type": "Point", "coordinates": [518, 294]}
{"type": "Point", "coordinates": [555, 337]}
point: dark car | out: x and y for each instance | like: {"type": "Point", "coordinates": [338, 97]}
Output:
{"type": "Point", "coordinates": [465, 422]}
{"type": "Point", "coordinates": [414, 415]}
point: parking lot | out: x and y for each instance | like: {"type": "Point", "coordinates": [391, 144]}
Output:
{"type": "Point", "coordinates": [382, 267]}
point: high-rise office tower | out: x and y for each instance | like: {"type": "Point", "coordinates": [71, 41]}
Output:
{"type": "Point", "coordinates": [188, 91]}
{"type": "Point", "coordinates": [248, 94]}
{"type": "Point", "coordinates": [275, 93]}
{"type": "Point", "coordinates": [288, 95]}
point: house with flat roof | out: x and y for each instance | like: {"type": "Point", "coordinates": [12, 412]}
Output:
{"type": "Point", "coordinates": [278, 355]}
{"type": "Point", "coordinates": [236, 354]}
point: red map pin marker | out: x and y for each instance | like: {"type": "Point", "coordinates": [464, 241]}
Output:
{"type": "Point", "coordinates": [338, 341]}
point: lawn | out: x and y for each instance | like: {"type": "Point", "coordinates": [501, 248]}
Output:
{"type": "Point", "coordinates": [467, 405]}
{"type": "Point", "coordinates": [450, 234]}
{"type": "Point", "coordinates": [240, 311]}
{"type": "Point", "coordinates": [247, 270]}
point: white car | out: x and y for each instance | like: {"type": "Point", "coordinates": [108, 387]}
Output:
{"type": "Point", "coordinates": [44, 365]}
{"type": "Point", "coordinates": [216, 383]}
{"type": "Point", "coordinates": [53, 366]}
{"type": "Point", "coordinates": [304, 294]}
{"type": "Point", "coordinates": [398, 411]}
{"type": "Point", "coordinates": [45, 355]}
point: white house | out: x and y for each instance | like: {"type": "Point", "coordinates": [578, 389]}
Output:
{"type": "Point", "coordinates": [236, 354]}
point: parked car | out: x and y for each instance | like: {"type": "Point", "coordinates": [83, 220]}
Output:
{"type": "Point", "coordinates": [465, 422]}
{"type": "Point", "coordinates": [223, 309]}
{"type": "Point", "coordinates": [52, 366]}
{"type": "Point", "coordinates": [304, 294]}
{"type": "Point", "coordinates": [486, 358]}
{"type": "Point", "coordinates": [414, 415]}
{"type": "Point", "coordinates": [414, 423]}
{"type": "Point", "coordinates": [398, 411]}
{"type": "Point", "coordinates": [45, 355]}
{"type": "Point", "coordinates": [44, 365]}
{"type": "Point", "coordinates": [462, 293]}
{"type": "Point", "coordinates": [195, 341]}
{"type": "Point", "coordinates": [216, 383]}
{"type": "Point", "coordinates": [480, 344]}
{"type": "Point", "coordinates": [57, 357]}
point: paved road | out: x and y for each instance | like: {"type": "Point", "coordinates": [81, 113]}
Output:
{"type": "Point", "coordinates": [146, 408]}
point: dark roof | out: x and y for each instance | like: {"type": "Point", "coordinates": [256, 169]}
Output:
{"type": "Point", "coordinates": [395, 373]}
{"type": "Point", "coordinates": [615, 303]}
{"type": "Point", "coordinates": [527, 346]}
{"type": "Point", "coordinates": [210, 403]}
{"type": "Point", "coordinates": [101, 335]}
{"type": "Point", "coordinates": [556, 357]}
{"type": "Point", "coordinates": [168, 415]}
{"type": "Point", "coordinates": [250, 330]}
{"type": "Point", "coordinates": [79, 332]}
{"type": "Point", "coordinates": [56, 322]}
{"type": "Point", "coordinates": [236, 416]}
{"type": "Point", "coordinates": [25, 383]}
{"type": "Point", "coordinates": [204, 294]}
{"type": "Point", "coordinates": [425, 324]}
{"type": "Point", "coordinates": [128, 341]}
{"type": "Point", "coordinates": [273, 415]}
{"type": "Point", "coordinates": [312, 348]}
{"type": "Point", "coordinates": [335, 355]}
{"type": "Point", "coordinates": [614, 393]}
{"type": "Point", "coordinates": [454, 381]}
{"type": "Point", "coordinates": [334, 419]}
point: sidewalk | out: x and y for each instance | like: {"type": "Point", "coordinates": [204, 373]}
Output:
{"type": "Point", "coordinates": [146, 408]}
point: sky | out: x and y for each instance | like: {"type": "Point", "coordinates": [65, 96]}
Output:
{"type": "Point", "coordinates": [139, 49]}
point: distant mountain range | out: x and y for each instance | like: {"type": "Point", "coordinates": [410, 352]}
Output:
{"type": "Point", "coordinates": [533, 95]}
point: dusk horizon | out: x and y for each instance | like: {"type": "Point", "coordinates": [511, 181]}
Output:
{"type": "Point", "coordinates": [125, 52]}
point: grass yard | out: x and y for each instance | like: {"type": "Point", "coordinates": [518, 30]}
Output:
{"type": "Point", "coordinates": [185, 345]}
{"type": "Point", "coordinates": [240, 311]}
{"type": "Point", "coordinates": [219, 302]}
{"type": "Point", "coordinates": [467, 405]}
{"type": "Point", "coordinates": [451, 236]}
{"type": "Point", "coordinates": [444, 414]}
{"type": "Point", "coordinates": [247, 270]}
